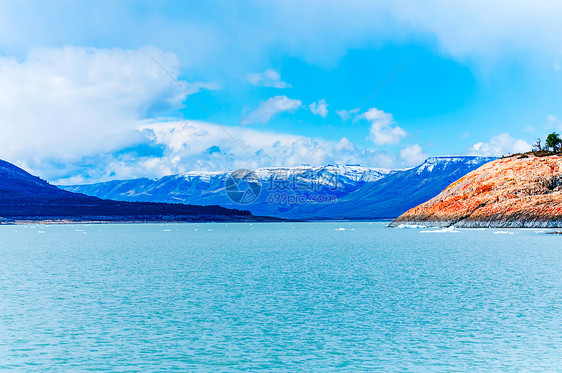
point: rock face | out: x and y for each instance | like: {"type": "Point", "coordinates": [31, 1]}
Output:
{"type": "Point", "coordinates": [519, 192]}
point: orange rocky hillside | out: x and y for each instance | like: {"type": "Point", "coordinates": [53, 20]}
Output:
{"type": "Point", "coordinates": [521, 192]}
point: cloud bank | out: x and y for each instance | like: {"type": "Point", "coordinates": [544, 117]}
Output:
{"type": "Point", "coordinates": [60, 102]}
{"type": "Point", "coordinates": [74, 115]}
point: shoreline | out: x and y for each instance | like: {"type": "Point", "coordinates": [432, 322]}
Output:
{"type": "Point", "coordinates": [128, 220]}
{"type": "Point", "coordinates": [476, 224]}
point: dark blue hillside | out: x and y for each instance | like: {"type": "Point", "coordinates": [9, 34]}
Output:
{"type": "Point", "coordinates": [17, 183]}
{"type": "Point", "coordinates": [24, 196]}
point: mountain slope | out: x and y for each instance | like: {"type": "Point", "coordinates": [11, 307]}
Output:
{"type": "Point", "coordinates": [24, 196]}
{"type": "Point", "coordinates": [399, 191]}
{"type": "Point", "coordinates": [348, 192]}
{"type": "Point", "coordinates": [17, 183]}
{"type": "Point", "coordinates": [519, 191]}
{"type": "Point", "coordinates": [208, 188]}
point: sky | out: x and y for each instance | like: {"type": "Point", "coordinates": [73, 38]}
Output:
{"type": "Point", "coordinates": [104, 90]}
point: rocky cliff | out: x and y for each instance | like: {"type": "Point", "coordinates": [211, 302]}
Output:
{"type": "Point", "coordinates": [521, 192]}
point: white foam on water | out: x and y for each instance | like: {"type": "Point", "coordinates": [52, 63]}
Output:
{"type": "Point", "coordinates": [40, 231]}
{"type": "Point", "coordinates": [443, 230]}
{"type": "Point", "coordinates": [340, 229]}
{"type": "Point", "coordinates": [410, 226]}
{"type": "Point", "coordinates": [502, 232]}
{"type": "Point", "coordinates": [166, 230]}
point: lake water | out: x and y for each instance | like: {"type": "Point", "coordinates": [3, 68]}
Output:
{"type": "Point", "coordinates": [339, 296]}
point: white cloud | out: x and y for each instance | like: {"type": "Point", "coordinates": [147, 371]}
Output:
{"type": "Point", "coordinates": [269, 78]}
{"type": "Point", "coordinates": [269, 108]}
{"type": "Point", "coordinates": [319, 108]}
{"type": "Point", "coordinates": [75, 115]}
{"type": "Point", "coordinates": [412, 155]}
{"type": "Point", "coordinates": [382, 132]}
{"type": "Point", "coordinates": [502, 144]}
{"type": "Point", "coordinates": [347, 114]}
{"type": "Point", "coordinates": [79, 101]}
{"type": "Point", "coordinates": [187, 145]}
{"type": "Point", "coordinates": [320, 32]}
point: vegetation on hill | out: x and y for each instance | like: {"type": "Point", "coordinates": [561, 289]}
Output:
{"type": "Point", "coordinates": [552, 146]}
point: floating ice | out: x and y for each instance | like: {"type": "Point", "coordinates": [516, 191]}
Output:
{"type": "Point", "coordinates": [450, 229]}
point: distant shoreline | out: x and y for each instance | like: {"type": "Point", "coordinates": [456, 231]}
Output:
{"type": "Point", "coordinates": [128, 220]}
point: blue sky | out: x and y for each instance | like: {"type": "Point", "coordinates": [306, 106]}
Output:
{"type": "Point", "coordinates": [81, 100]}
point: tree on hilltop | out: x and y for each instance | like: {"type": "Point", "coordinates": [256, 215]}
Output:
{"type": "Point", "coordinates": [553, 141]}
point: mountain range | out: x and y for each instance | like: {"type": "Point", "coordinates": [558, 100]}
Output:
{"type": "Point", "coordinates": [27, 197]}
{"type": "Point", "coordinates": [327, 192]}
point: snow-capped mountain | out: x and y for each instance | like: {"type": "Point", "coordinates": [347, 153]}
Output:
{"type": "Point", "coordinates": [330, 192]}
{"type": "Point", "coordinates": [400, 190]}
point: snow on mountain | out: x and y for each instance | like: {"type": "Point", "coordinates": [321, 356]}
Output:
{"type": "Point", "coordinates": [400, 190]}
{"type": "Point", "coordinates": [432, 162]}
{"type": "Point", "coordinates": [304, 192]}
{"type": "Point", "coordinates": [203, 186]}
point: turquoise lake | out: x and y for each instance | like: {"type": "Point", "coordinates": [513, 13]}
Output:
{"type": "Point", "coordinates": [334, 296]}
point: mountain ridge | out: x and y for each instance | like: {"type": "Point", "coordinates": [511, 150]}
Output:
{"type": "Point", "coordinates": [361, 193]}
